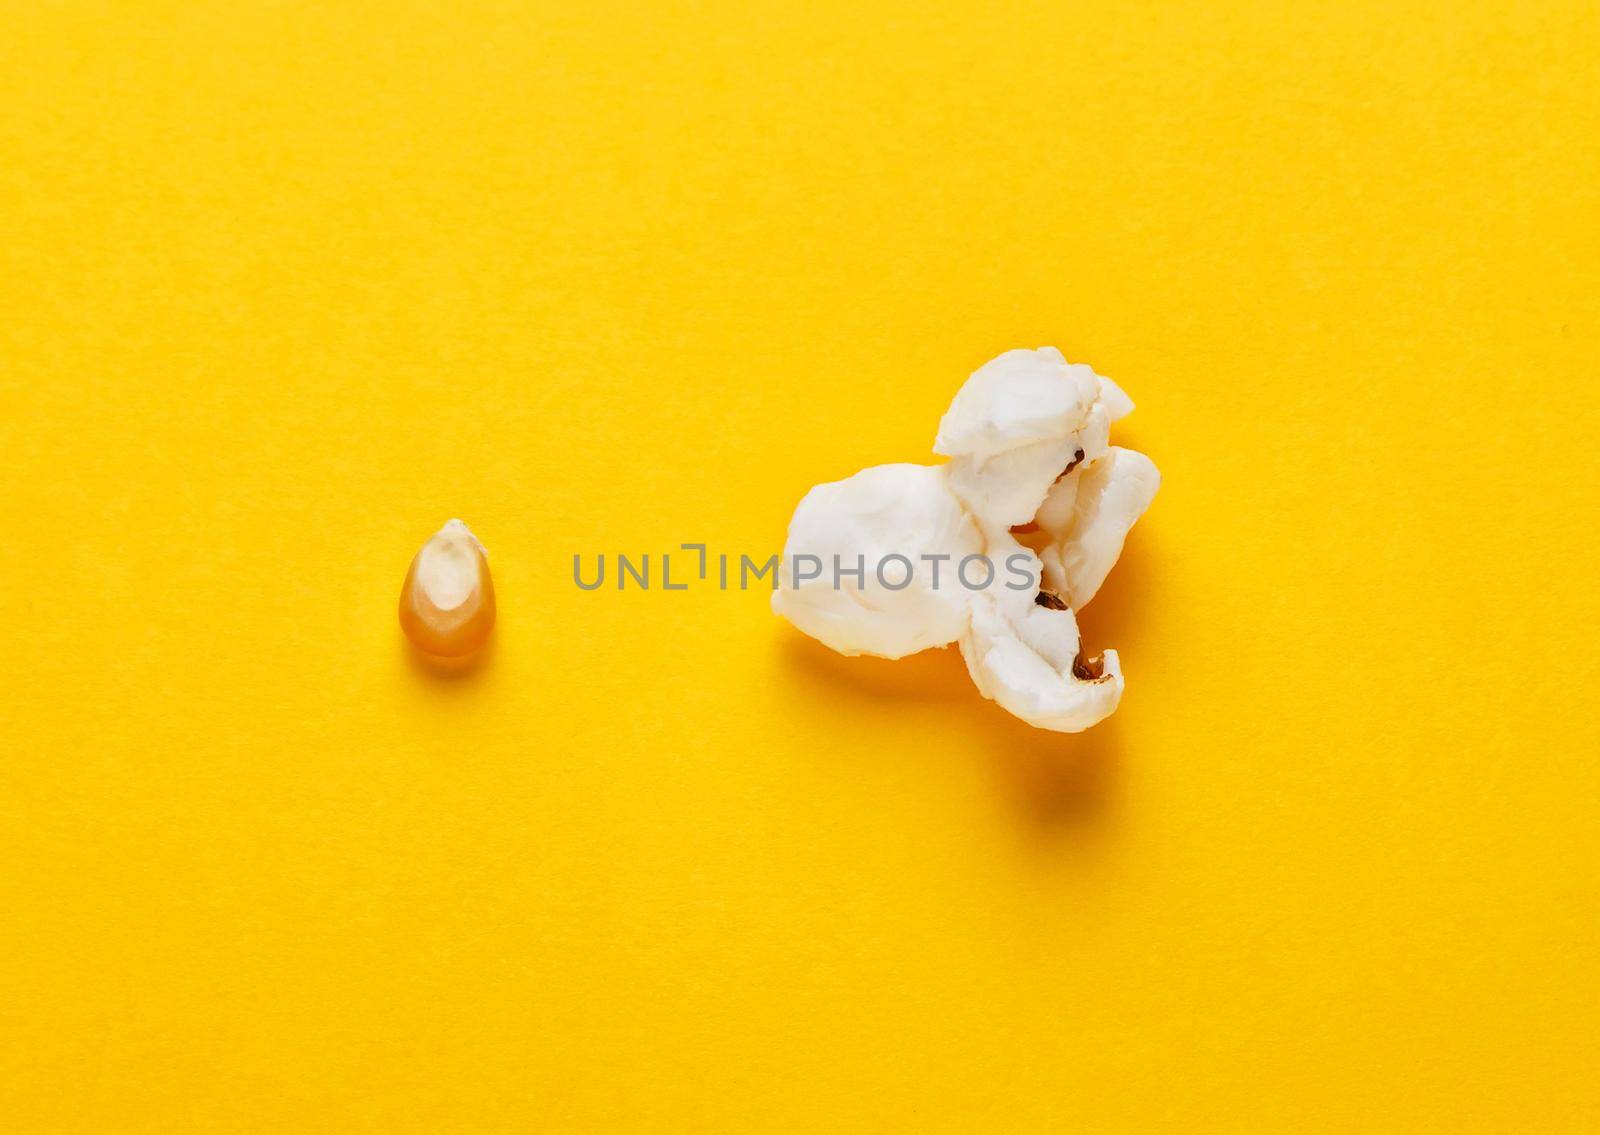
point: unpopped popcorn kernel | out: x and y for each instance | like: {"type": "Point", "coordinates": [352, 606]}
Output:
{"type": "Point", "coordinates": [447, 600]}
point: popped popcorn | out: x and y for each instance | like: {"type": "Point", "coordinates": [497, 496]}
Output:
{"type": "Point", "coordinates": [1028, 440]}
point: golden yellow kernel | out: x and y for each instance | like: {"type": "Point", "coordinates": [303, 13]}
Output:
{"type": "Point", "coordinates": [447, 602]}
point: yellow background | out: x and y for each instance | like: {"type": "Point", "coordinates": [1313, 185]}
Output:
{"type": "Point", "coordinates": [285, 286]}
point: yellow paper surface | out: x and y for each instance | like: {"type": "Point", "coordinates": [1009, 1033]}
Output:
{"type": "Point", "coordinates": [285, 286]}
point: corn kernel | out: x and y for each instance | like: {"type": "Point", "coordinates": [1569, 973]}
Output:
{"type": "Point", "coordinates": [447, 602]}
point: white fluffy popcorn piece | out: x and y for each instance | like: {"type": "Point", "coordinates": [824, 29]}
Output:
{"type": "Point", "coordinates": [1024, 652]}
{"type": "Point", "coordinates": [1087, 515]}
{"type": "Point", "coordinates": [884, 512]}
{"type": "Point", "coordinates": [1028, 437]}
{"type": "Point", "coordinates": [1016, 399]}
{"type": "Point", "coordinates": [1017, 423]}
{"type": "Point", "coordinates": [1117, 403]}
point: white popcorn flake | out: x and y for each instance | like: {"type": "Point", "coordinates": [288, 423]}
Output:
{"type": "Point", "coordinates": [887, 511]}
{"type": "Point", "coordinates": [1028, 658]}
{"type": "Point", "coordinates": [1015, 399]}
{"type": "Point", "coordinates": [1028, 437]}
{"type": "Point", "coordinates": [1088, 515]}
{"type": "Point", "coordinates": [1016, 424]}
